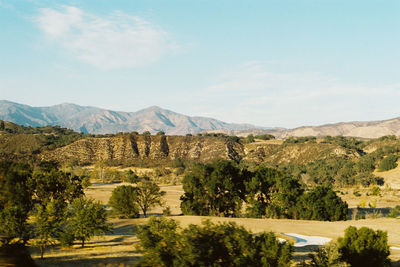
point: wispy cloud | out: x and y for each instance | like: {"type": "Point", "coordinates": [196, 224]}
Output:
{"type": "Point", "coordinates": [118, 40]}
{"type": "Point", "coordinates": [253, 93]}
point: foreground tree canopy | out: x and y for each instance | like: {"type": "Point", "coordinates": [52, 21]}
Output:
{"type": "Point", "coordinates": [221, 188]}
{"type": "Point", "coordinates": [164, 243]}
{"type": "Point", "coordinates": [54, 198]}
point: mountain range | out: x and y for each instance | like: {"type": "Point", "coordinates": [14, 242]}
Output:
{"type": "Point", "coordinates": [101, 121]}
{"type": "Point", "coordinates": [154, 119]}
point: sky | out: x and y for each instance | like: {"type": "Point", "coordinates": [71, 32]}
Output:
{"type": "Point", "coordinates": [271, 63]}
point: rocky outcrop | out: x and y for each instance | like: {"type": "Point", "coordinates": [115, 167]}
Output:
{"type": "Point", "coordinates": [133, 148]}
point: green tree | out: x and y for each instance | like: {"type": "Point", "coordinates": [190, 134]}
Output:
{"type": "Point", "coordinates": [148, 195]}
{"type": "Point", "coordinates": [164, 243]}
{"type": "Point", "coordinates": [364, 247]}
{"type": "Point", "coordinates": [13, 224]}
{"type": "Point", "coordinates": [47, 226]}
{"type": "Point", "coordinates": [87, 218]}
{"type": "Point", "coordinates": [123, 201]}
{"type": "Point", "coordinates": [214, 189]}
{"type": "Point", "coordinates": [258, 190]}
{"type": "Point", "coordinates": [2, 126]}
{"type": "Point", "coordinates": [160, 133]}
{"type": "Point", "coordinates": [130, 177]}
{"type": "Point", "coordinates": [53, 184]}
{"type": "Point", "coordinates": [284, 195]}
{"type": "Point", "coordinates": [322, 203]}
{"type": "Point", "coordinates": [388, 163]}
{"type": "Point", "coordinates": [16, 192]}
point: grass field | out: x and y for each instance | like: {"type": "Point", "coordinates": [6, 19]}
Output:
{"type": "Point", "coordinates": [392, 177]}
{"type": "Point", "coordinates": [118, 248]}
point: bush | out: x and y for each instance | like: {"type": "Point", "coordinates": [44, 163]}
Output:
{"type": "Point", "coordinates": [166, 211]}
{"type": "Point", "coordinates": [123, 201]}
{"type": "Point", "coordinates": [375, 191]}
{"type": "Point", "coordinates": [393, 213]}
{"type": "Point", "coordinates": [326, 256]}
{"type": "Point", "coordinates": [388, 163]}
{"type": "Point", "coordinates": [86, 182]}
{"type": "Point", "coordinates": [364, 247]}
{"type": "Point", "coordinates": [265, 137]}
{"type": "Point", "coordinates": [130, 177]}
{"type": "Point", "coordinates": [164, 243]}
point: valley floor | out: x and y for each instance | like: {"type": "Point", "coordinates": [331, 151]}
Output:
{"type": "Point", "coordinates": [118, 248]}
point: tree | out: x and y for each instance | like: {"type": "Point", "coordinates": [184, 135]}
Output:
{"type": "Point", "coordinates": [2, 126]}
{"type": "Point", "coordinates": [148, 195]}
{"type": "Point", "coordinates": [123, 201]}
{"type": "Point", "coordinates": [47, 226]}
{"type": "Point", "coordinates": [160, 133]}
{"type": "Point", "coordinates": [164, 243]}
{"type": "Point", "coordinates": [388, 163]}
{"type": "Point", "coordinates": [322, 203]}
{"type": "Point", "coordinates": [13, 224]}
{"type": "Point", "coordinates": [16, 190]}
{"type": "Point", "coordinates": [130, 177]}
{"type": "Point", "coordinates": [86, 219]}
{"type": "Point", "coordinates": [214, 189]}
{"type": "Point", "coordinates": [51, 184]}
{"type": "Point", "coordinates": [258, 190]}
{"type": "Point", "coordinates": [364, 247]}
{"type": "Point", "coordinates": [285, 193]}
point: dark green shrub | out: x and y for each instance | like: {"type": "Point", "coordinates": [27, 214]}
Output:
{"type": "Point", "coordinates": [388, 163]}
{"type": "Point", "coordinates": [322, 203]}
{"type": "Point", "coordinates": [375, 191]}
{"type": "Point", "coordinates": [393, 213]}
{"type": "Point", "coordinates": [364, 247]}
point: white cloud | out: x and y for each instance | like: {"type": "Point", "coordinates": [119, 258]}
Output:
{"type": "Point", "coordinates": [253, 93]}
{"type": "Point", "coordinates": [116, 41]}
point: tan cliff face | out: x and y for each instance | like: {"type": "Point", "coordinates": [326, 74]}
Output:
{"type": "Point", "coordinates": [131, 149]}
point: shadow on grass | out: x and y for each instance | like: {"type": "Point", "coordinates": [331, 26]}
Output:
{"type": "Point", "coordinates": [100, 262]}
{"type": "Point", "coordinates": [15, 255]}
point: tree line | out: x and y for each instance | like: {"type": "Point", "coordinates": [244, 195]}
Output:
{"type": "Point", "coordinates": [222, 188]}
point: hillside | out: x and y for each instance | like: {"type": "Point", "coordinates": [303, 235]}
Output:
{"type": "Point", "coordinates": [66, 146]}
{"type": "Point", "coordinates": [368, 129]}
{"type": "Point", "coordinates": [101, 121]}
{"type": "Point", "coordinates": [132, 149]}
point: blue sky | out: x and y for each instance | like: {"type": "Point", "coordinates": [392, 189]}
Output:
{"type": "Point", "coordinates": [281, 63]}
